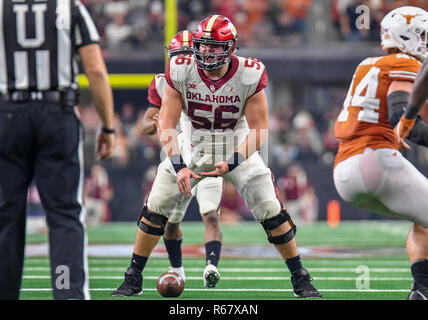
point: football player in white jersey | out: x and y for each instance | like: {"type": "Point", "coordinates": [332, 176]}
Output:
{"type": "Point", "coordinates": [208, 192]}
{"type": "Point", "coordinates": [224, 124]}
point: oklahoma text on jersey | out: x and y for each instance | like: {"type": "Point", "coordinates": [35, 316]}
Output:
{"type": "Point", "coordinates": [215, 109]}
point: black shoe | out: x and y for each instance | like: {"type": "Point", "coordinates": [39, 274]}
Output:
{"type": "Point", "coordinates": [303, 287]}
{"type": "Point", "coordinates": [419, 292]}
{"type": "Point", "coordinates": [131, 286]}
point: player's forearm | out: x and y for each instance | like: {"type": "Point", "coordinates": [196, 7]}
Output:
{"type": "Point", "coordinates": [419, 93]}
{"type": "Point", "coordinates": [103, 96]}
{"type": "Point", "coordinates": [256, 113]}
{"type": "Point", "coordinates": [96, 71]}
{"type": "Point", "coordinates": [169, 144]}
{"type": "Point", "coordinates": [169, 115]}
{"type": "Point", "coordinates": [168, 138]}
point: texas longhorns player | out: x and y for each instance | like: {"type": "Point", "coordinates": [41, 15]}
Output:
{"type": "Point", "coordinates": [224, 123]}
{"type": "Point", "coordinates": [208, 192]}
{"type": "Point", "coordinates": [369, 171]}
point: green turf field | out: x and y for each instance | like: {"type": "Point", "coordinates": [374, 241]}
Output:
{"type": "Point", "coordinates": [250, 268]}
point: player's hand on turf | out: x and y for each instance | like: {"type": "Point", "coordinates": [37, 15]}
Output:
{"type": "Point", "coordinates": [220, 168]}
{"type": "Point", "coordinates": [402, 130]}
{"type": "Point", "coordinates": [183, 181]}
{"type": "Point", "coordinates": [106, 143]}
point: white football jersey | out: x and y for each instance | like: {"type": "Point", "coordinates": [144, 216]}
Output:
{"type": "Point", "coordinates": [213, 119]}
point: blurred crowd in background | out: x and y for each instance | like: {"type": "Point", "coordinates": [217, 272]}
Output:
{"type": "Point", "coordinates": [130, 24]}
{"type": "Point", "coordinates": [298, 133]}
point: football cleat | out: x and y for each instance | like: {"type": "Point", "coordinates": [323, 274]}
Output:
{"type": "Point", "coordinates": [211, 276]}
{"type": "Point", "coordinates": [419, 292]}
{"type": "Point", "coordinates": [303, 287]}
{"type": "Point", "coordinates": [179, 270]}
{"type": "Point", "coordinates": [131, 286]}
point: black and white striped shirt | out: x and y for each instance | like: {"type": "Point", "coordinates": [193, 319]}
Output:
{"type": "Point", "coordinates": [39, 40]}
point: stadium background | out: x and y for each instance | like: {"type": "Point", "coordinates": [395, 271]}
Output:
{"type": "Point", "coordinates": [310, 49]}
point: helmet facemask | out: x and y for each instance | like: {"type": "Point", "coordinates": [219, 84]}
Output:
{"type": "Point", "coordinates": [422, 48]}
{"type": "Point", "coordinates": [183, 50]}
{"type": "Point", "coordinates": [413, 43]}
{"type": "Point", "coordinates": [181, 43]}
{"type": "Point", "coordinates": [219, 53]}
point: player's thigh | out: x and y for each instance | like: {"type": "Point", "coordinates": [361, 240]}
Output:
{"type": "Point", "coordinates": [165, 194]}
{"type": "Point", "coordinates": [254, 182]}
{"type": "Point", "coordinates": [383, 181]}
{"type": "Point", "coordinates": [360, 178]}
{"type": "Point", "coordinates": [209, 192]}
{"type": "Point", "coordinates": [406, 192]}
{"type": "Point", "coordinates": [179, 211]}
{"type": "Point", "coordinates": [347, 179]}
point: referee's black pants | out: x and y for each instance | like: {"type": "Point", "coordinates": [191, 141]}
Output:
{"type": "Point", "coordinates": [43, 141]}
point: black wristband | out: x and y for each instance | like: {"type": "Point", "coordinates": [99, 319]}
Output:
{"type": "Point", "coordinates": [108, 131]}
{"type": "Point", "coordinates": [235, 160]}
{"type": "Point", "coordinates": [411, 112]}
{"type": "Point", "coordinates": [177, 162]}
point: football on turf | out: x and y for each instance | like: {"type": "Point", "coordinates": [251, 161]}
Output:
{"type": "Point", "coordinates": [170, 284]}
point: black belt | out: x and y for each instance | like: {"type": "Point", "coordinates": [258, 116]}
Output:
{"type": "Point", "coordinates": [68, 96]}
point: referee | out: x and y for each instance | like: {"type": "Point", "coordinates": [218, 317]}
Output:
{"type": "Point", "coordinates": [41, 135]}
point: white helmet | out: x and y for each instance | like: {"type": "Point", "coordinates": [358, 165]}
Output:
{"type": "Point", "coordinates": [406, 29]}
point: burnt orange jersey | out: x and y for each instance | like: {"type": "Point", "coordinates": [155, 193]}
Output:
{"type": "Point", "coordinates": [363, 121]}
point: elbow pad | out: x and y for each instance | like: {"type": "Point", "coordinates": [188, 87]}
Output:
{"type": "Point", "coordinates": [397, 102]}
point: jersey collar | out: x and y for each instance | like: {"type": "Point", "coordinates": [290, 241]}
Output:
{"type": "Point", "coordinates": [215, 85]}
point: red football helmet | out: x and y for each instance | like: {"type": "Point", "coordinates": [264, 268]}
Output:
{"type": "Point", "coordinates": [215, 31]}
{"type": "Point", "coordinates": [182, 42]}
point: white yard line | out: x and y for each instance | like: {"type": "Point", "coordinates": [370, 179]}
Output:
{"type": "Point", "coordinates": [237, 278]}
{"type": "Point", "coordinates": [241, 262]}
{"type": "Point", "coordinates": [244, 270]}
{"type": "Point", "coordinates": [242, 290]}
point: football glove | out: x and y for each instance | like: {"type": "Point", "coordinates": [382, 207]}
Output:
{"type": "Point", "coordinates": [402, 130]}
